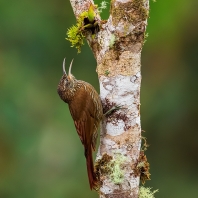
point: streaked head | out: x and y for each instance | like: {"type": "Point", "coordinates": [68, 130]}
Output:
{"type": "Point", "coordinates": [66, 81]}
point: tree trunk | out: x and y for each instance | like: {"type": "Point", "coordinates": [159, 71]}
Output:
{"type": "Point", "coordinates": [117, 48]}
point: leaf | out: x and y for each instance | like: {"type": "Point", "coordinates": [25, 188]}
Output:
{"type": "Point", "coordinates": [91, 13]}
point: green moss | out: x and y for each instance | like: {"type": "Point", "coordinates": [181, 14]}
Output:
{"type": "Point", "coordinates": [146, 192]}
{"type": "Point", "coordinates": [75, 34]}
{"type": "Point", "coordinates": [85, 22]}
{"type": "Point", "coordinates": [75, 37]}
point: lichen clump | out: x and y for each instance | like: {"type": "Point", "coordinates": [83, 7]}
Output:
{"type": "Point", "coordinates": [111, 166]}
{"type": "Point", "coordinates": [117, 172]}
{"type": "Point", "coordinates": [146, 192]}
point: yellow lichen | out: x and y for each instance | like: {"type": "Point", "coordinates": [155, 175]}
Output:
{"type": "Point", "coordinates": [146, 192]}
{"type": "Point", "coordinates": [111, 166]}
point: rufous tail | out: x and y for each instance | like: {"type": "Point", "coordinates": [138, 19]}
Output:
{"type": "Point", "coordinates": [93, 181]}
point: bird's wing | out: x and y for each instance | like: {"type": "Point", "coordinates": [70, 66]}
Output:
{"type": "Point", "coordinates": [81, 109]}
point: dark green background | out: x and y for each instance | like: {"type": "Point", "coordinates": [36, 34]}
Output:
{"type": "Point", "coordinates": [40, 153]}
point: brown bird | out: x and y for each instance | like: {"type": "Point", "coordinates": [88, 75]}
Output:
{"type": "Point", "coordinates": [86, 110]}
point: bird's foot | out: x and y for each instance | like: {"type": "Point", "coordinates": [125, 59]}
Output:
{"type": "Point", "coordinates": [114, 108]}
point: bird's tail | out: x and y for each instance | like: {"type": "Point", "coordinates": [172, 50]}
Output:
{"type": "Point", "coordinates": [93, 181]}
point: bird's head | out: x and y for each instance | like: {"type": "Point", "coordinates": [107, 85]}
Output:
{"type": "Point", "coordinates": [66, 81]}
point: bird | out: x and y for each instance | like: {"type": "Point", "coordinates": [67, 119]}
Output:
{"type": "Point", "coordinates": [87, 112]}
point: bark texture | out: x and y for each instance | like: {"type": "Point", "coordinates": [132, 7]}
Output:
{"type": "Point", "coordinates": [117, 49]}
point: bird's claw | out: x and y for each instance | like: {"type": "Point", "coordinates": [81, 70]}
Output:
{"type": "Point", "coordinates": [114, 108]}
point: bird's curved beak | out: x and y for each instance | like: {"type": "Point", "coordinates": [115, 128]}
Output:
{"type": "Point", "coordinates": [69, 73]}
{"type": "Point", "coordinates": [64, 72]}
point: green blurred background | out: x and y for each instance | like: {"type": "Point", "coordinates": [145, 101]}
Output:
{"type": "Point", "coordinates": [40, 153]}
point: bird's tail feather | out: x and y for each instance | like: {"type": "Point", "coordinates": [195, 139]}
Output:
{"type": "Point", "coordinates": [93, 181]}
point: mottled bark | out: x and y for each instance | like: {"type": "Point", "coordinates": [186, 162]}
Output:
{"type": "Point", "coordinates": [117, 49]}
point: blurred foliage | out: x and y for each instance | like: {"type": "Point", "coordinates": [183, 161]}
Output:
{"type": "Point", "coordinates": [40, 152]}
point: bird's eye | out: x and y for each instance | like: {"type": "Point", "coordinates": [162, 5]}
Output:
{"type": "Point", "coordinates": [65, 81]}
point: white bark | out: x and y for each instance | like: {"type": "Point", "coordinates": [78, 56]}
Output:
{"type": "Point", "coordinates": [117, 49]}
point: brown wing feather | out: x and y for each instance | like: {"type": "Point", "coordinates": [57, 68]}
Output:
{"type": "Point", "coordinates": [81, 121]}
{"type": "Point", "coordinates": [84, 114]}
